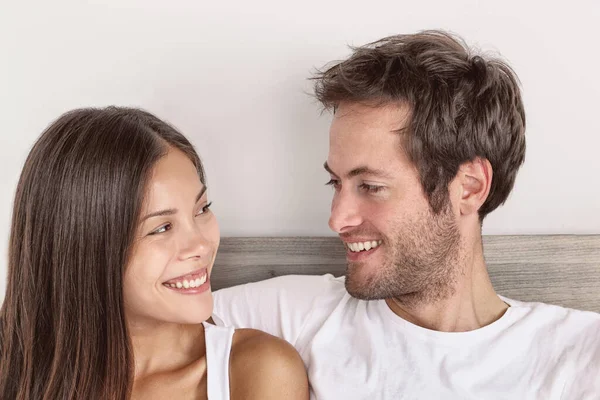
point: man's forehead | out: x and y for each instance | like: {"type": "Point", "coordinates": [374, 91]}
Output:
{"type": "Point", "coordinates": [357, 170]}
{"type": "Point", "coordinates": [365, 141]}
{"type": "Point", "coordinates": [390, 116]}
{"type": "Point", "coordinates": [367, 138]}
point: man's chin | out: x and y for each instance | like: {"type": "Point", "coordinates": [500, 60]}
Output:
{"type": "Point", "coordinates": [363, 285]}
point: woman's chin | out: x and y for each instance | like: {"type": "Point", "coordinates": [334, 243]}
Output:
{"type": "Point", "coordinates": [194, 312]}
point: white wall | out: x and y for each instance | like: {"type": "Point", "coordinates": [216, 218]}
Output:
{"type": "Point", "coordinates": [233, 78]}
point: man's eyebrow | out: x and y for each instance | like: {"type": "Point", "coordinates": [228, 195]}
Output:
{"type": "Point", "coordinates": [326, 166]}
{"type": "Point", "coordinates": [171, 211]}
{"type": "Point", "coordinates": [362, 170]}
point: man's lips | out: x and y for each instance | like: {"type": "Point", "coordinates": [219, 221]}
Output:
{"type": "Point", "coordinates": [356, 245]}
{"type": "Point", "coordinates": [361, 249]}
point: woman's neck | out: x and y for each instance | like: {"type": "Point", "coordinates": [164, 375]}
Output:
{"type": "Point", "coordinates": [161, 347]}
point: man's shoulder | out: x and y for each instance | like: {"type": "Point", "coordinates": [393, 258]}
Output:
{"type": "Point", "coordinates": [573, 336]}
{"type": "Point", "coordinates": [554, 312]}
{"type": "Point", "coordinates": [574, 328]}
{"type": "Point", "coordinates": [282, 306]}
{"type": "Point", "coordinates": [297, 286]}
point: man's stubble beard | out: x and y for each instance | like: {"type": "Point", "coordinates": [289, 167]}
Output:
{"type": "Point", "coordinates": [421, 264]}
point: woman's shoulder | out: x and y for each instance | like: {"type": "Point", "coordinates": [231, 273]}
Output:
{"type": "Point", "coordinates": [266, 367]}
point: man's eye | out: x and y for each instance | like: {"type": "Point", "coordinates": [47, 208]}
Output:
{"type": "Point", "coordinates": [371, 188]}
{"type": "Point", "coordinates": [334, 183]}
{"type": "Point", "coordinates": [204, 209]}
{"type": "Point", "coordinates": [164, 228]}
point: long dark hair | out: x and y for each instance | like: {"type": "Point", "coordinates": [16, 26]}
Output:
{"type": "Point", "coordinates": [63, 333]}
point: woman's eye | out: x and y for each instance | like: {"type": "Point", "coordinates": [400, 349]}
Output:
{"type": "Point", "coordinates": [371, 188]}
{"type": "Point", "coordinates": [204, 209]}
{"type": "Point", "coordinates": [162, 229]}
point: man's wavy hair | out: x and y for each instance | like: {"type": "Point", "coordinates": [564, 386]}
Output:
{"type": "Point", "coordinates": [462, 106]}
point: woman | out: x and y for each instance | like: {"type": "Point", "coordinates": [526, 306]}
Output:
{"type": "Point", "coordinates": [111, 251]}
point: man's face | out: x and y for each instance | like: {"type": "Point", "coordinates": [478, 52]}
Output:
{"type": "Point", "coordinates": [396, 246]}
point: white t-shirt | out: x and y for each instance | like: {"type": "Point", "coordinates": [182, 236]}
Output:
{"type": "Point", "coordinates": [356, 349]}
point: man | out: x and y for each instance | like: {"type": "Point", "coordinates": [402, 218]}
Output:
{"type": "Point", "coordinates": [426, 140]}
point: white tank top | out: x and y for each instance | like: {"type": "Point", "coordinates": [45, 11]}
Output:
{"type": "Point", "coordinates": [218, 347]}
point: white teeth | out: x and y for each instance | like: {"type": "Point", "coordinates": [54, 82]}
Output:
{"type": "Point", "coordinates": [186, 284]}
{"type": "Point", "coordinates": [360, 246]}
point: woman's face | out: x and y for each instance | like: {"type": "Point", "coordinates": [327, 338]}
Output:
{"type": "Point", "coordinates": [168, 276]}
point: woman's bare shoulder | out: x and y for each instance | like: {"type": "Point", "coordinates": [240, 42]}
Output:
{"type": "Point", "coordinates": [265, 367]}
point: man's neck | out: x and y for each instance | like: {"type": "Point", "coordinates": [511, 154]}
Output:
{"type": "Point", "coordinates": [472, 304]}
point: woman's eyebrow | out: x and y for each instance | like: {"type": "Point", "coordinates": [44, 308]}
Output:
{"type": "Point", "coordinates": [171, 211]}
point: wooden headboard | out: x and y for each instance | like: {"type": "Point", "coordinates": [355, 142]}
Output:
{"type": "Point", "coordinates": [556, 269]}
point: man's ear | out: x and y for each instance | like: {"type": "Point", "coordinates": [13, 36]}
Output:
{"type": "Point", "coordinates": [474, 180]}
